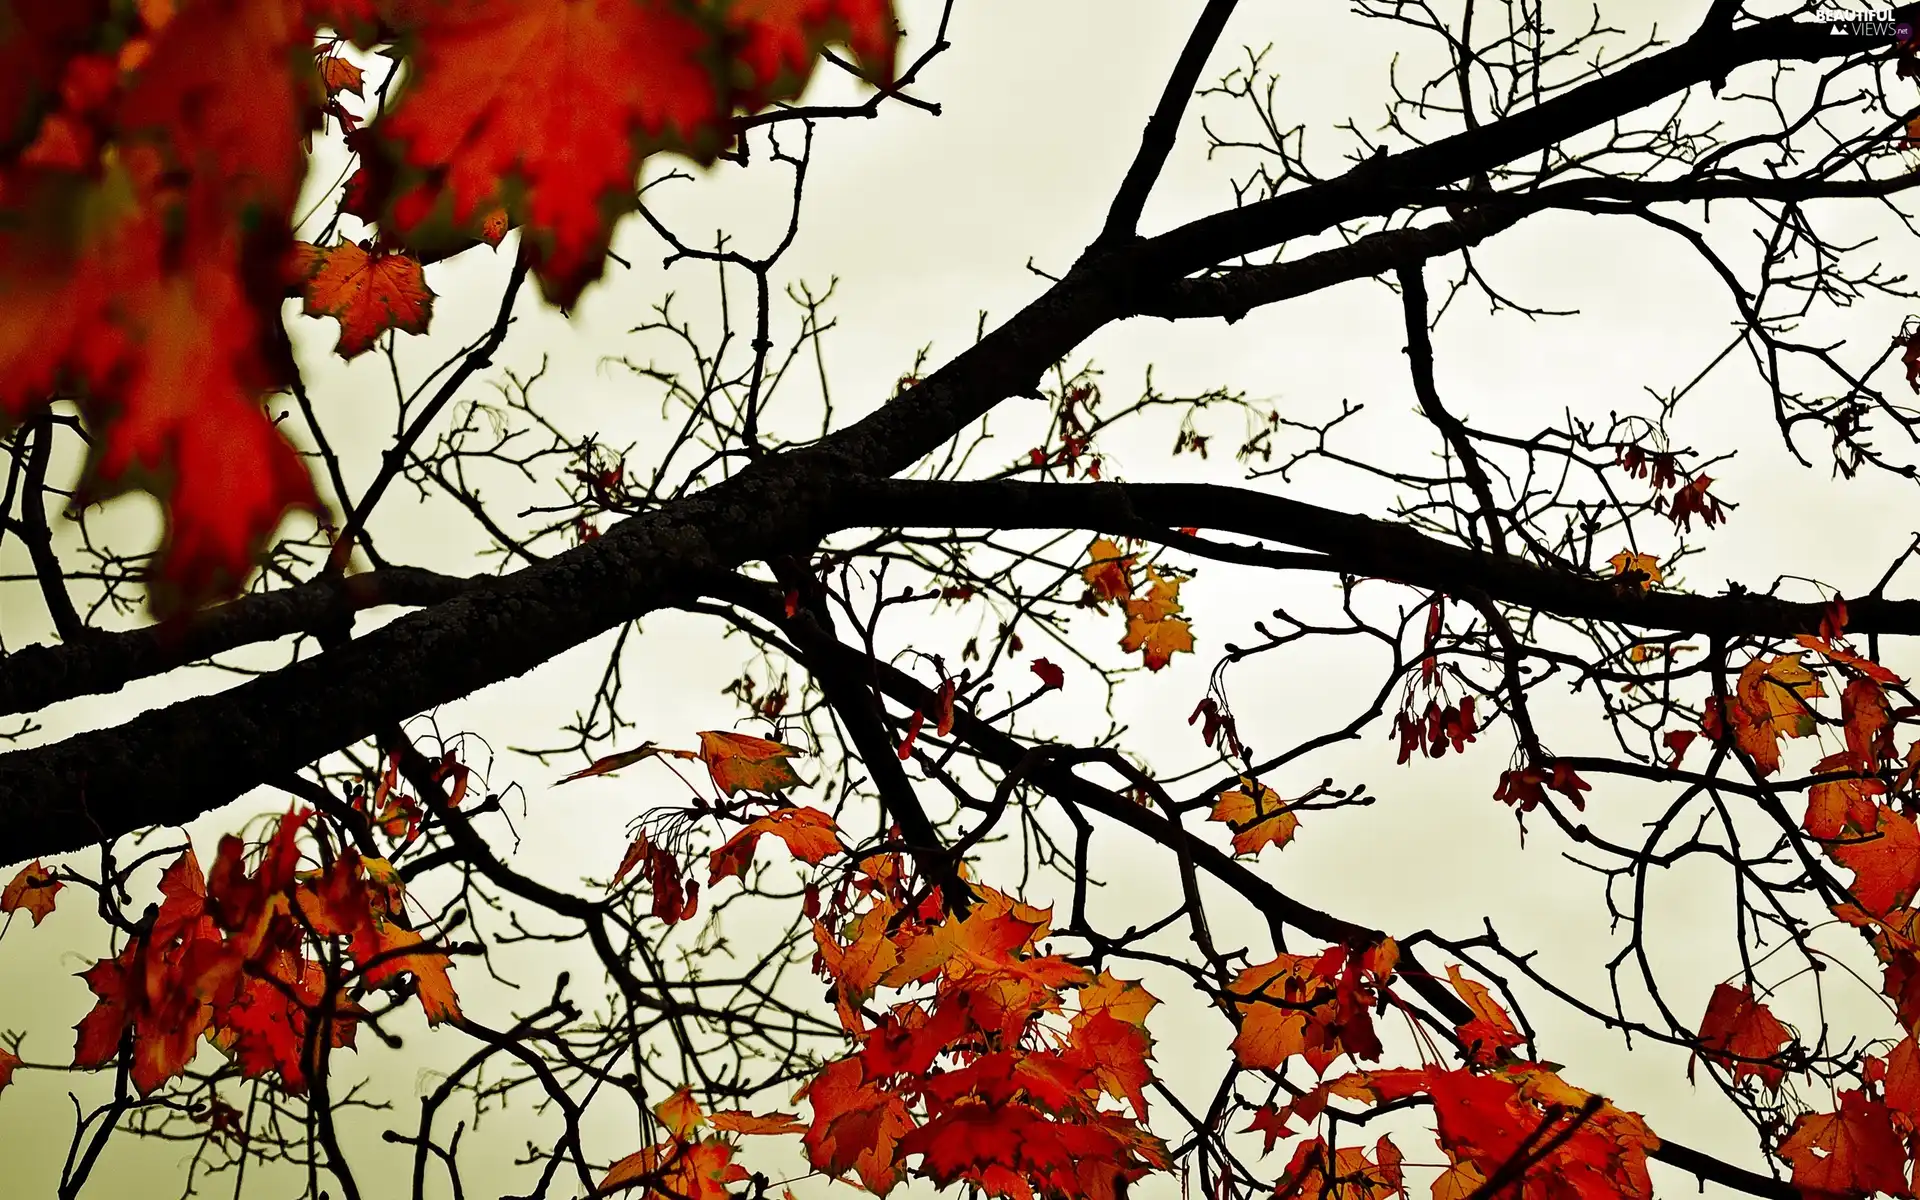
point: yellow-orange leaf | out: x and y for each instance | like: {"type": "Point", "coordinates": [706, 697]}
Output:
{"type": "Point", "coordinates": [33, 889]}
{"type": "Point", "coordinates": [1110, 574]}
{"type": "Point", "coordinates": [368, 292]}
{"type": "Point", "coordinates": [740, 762]}
{"type": "Point", "coordinates": [1122, 999]}
{"type": "Point", "coordinates": [1458, 1182]}
{"type": "Point", "coordinates": [680, 1114]}
{"type": "Point", "coordinates": [1152, 627]}
{"type": "Point", "coordinates": [1646, 565]}
{"type": "Point", "coordinates": [809, 833]}
{"type": "Point", "coordinates": [429, 969]}
{"type": "Point", "coordinates": [626, 758]}
{"type": "Point", "coordinates": [1258, 817]}
{"type": "Point", "coordinates": [340, 75]}
{"type": "Point", "coordinates": [738, 1121]}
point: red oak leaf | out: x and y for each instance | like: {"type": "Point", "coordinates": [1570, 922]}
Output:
{"type": "Point", "coordinates": [856, 1126]}
{"type": "Point", "coordinates": [40, 40]}
{"type": "Point", "coordinates": [1902, 1082]}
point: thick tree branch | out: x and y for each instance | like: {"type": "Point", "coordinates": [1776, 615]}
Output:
{"type": "Point", "coordinates": [35, 676]}
{"type": "Point", "coordinates": [1123, 218]}
{"type": "Point", "coordinates": [1355, 545]}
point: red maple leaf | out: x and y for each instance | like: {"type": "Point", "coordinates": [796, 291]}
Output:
{"type": "Point", "coordinates": [1886, 863]}
{"type": "Point", "coordinates": [809, 833]}
{"type": "Point", "coordinates": [1851, 1152]}
{"type": "Point", "coordinates": [553, 104]}
{"type": "Point", "coordinates": [369, 291]}
{"type": "Point", "coordinates": [1740, 1027]}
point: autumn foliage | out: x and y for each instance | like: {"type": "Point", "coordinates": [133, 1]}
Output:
{"type": "Point", "coordinates": [156, 235]}
{"type": "Point", "coordinates": [153, 158]}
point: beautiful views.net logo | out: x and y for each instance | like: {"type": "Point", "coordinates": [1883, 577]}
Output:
{"type": "Point", "coordinates": [1876, 22]}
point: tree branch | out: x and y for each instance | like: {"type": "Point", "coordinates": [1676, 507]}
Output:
{"type": "Point", "coordinates": [38, 675]}
{"type": "Point", "coordinates": [1123, 218]}
{"type": "Point", "coordinates": [1355, 545]}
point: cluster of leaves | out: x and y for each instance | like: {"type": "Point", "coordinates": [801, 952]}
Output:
{"type": "Point", "coordinates": [1501, 1121]}
{"type": "Point", "coordinates": [976, 1067]}
{"type": "Point", "coordinates": [1155, 630]}
{"type": "Point", "coordinates": [250, 960]}
{"type": "Point", "coordinates": [151, 155]}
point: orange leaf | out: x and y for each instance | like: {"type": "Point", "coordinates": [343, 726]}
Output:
{"type": "Point", "coordinates": [1152, 628]}
{"type": "Point", "coordinates": [1829, 647]}
{"type": "Point", "coordinates": [1646, 565]}
{"type": "Point", "coordinates": [1258, 817]}
{"type": "Point", "coordinates": [1770, 703]}
{"type": "Point", "coordinates": [9, 1063]}
{"type": "Point", "coordinates": [1841, 808]}
{"type": "Point", "coordinates": [338, 74]}
{"type": "Point", "coordinates": [1738, 1025]}
{"type": "Point", "coordinates": [1491, 1029]}
{"type": "Point", "coordinates": [700, 1171]}
{"type": "Point", "coordinates": [1110, 575]}
{"type": "Point", "coordinates": [680, 1114]}
{"type": "Point", "coordinates": [1288, 1009]}
{"type": "Point", "coordinates": [429, 970]}
{"type": "Point", "coordinates": [626, 758]}
{"type": "Point", "coordinates": [1868, 724]}
{"type": "Point", "coordinates": [809, 833]}
{"type": "Point", "coordinates": [369, 293]}
{"type": "Point", "coordinates": [738, 1121]}
{"type": "Point", "coordinates": [1458, 1182]}
{"type": "Point", "coordinates": [1122, 999]}
{"type": "Point", "coordinates": [32, 889]}
{"type": "Point", "coordinates": [1886, 865]}
{"type": "Point", "coordinates": [739, 762]}
{"type": "Point", "coordinates": [943, 709]}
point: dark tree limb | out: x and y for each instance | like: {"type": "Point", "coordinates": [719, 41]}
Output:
{"type": "Point", "coordinates": [1356, 545]}
{"type": "Point", "coordinates": [1123, 217]}
{"type": "Point", "coordinates": [35, 676]}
